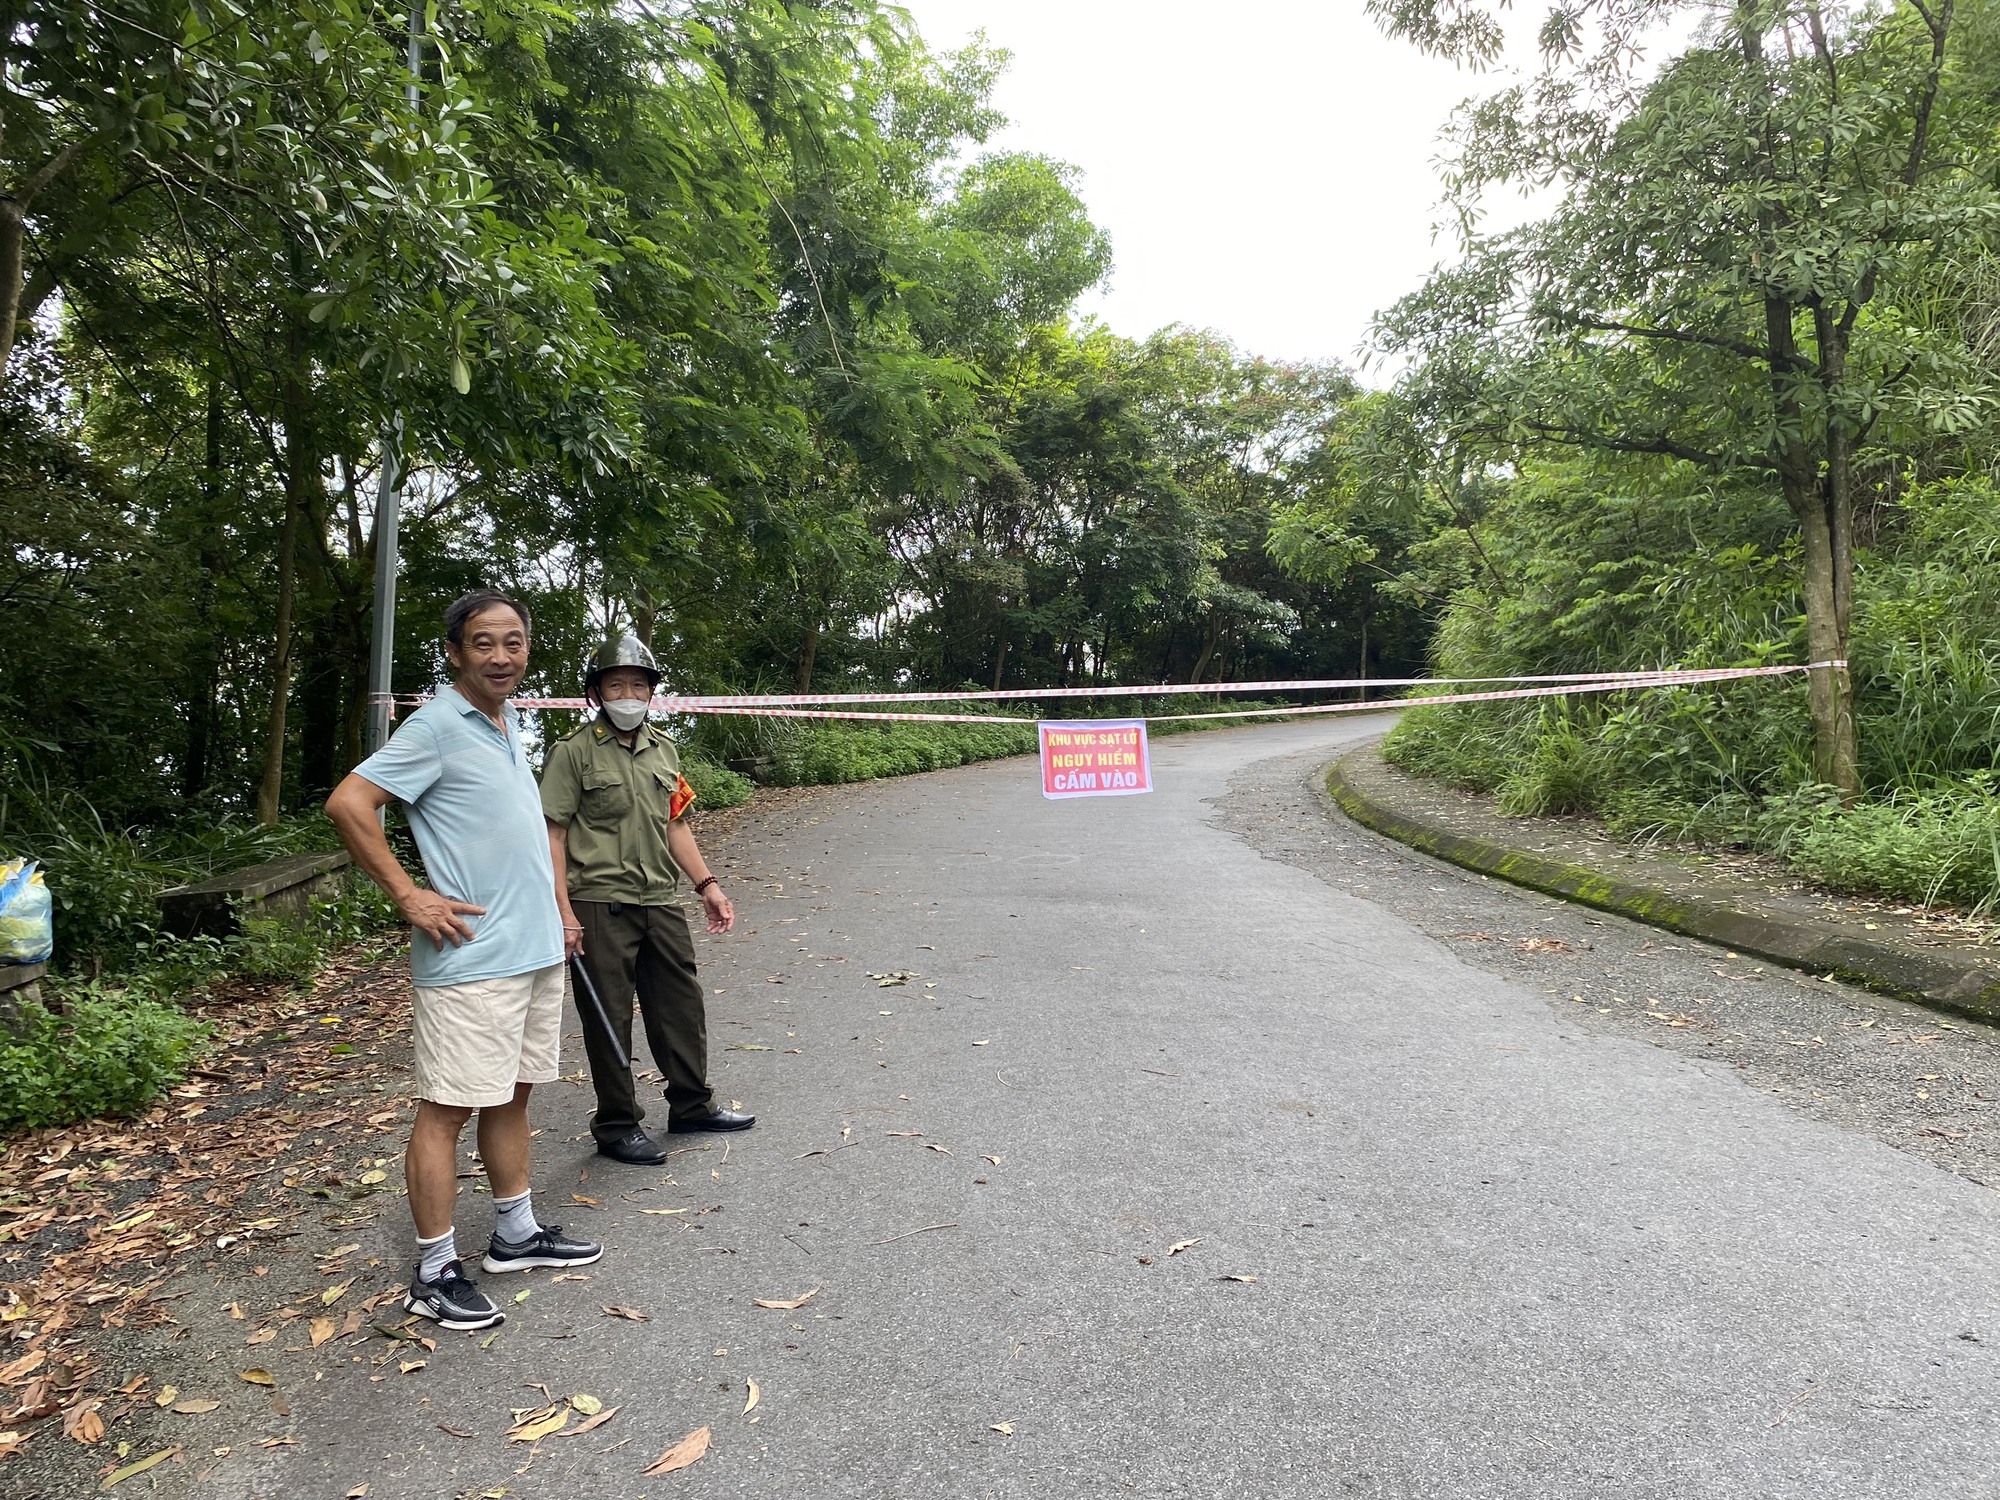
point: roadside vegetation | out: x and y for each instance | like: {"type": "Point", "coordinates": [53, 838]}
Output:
{"type": "Point", "coordinates": [1729, 403]}
{"type": "Point", "coordinates": [720, 323]}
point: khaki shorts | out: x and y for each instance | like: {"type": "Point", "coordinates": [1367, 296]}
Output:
{"type": "Point", "coordinates": [475, 1041]}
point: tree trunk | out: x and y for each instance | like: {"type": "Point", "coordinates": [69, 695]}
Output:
{"type": "Point", "coordinates": [1828, 559]}
{"type": "Point", "coordinates": [1000, 660]}
{"type": "Point", "coordinates": [13, 264]}
{"type": "Point", "coordinates": [1211, 635]}
{"type": "Point", "coordinates": [1822, 504]}
{"type": "Point", "coordinates": [206, 682]}
{"type": "Point", "coordinates": [808, 653]}
{"type": "Point", "coordinates": [301, 471]}
{"type": "Point", "coordinates": [1363, 672]}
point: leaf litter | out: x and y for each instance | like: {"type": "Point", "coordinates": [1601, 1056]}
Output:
{"type": "Point", "coordinates": [689, 1450]}
{"type": "Point", "coordinates": [97, 1218]}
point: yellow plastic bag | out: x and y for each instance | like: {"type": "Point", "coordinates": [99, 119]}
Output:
{"type": "Point", "coordinates": [27, 915]}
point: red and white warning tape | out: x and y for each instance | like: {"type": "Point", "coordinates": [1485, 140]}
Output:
{"type": "Point", "coordinates": [831, 705]}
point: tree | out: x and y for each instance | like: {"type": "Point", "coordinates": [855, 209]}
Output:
{"type": "Point", "coordinates": [1716, 288]}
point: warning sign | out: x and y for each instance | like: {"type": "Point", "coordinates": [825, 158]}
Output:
{"type": "Point", "coordinates": [1095, 758]}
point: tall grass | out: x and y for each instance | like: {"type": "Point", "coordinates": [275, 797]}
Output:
{"type": "Point", "coordinates": [1604, 581]}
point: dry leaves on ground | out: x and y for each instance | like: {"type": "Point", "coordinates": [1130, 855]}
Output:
{"type": "Point", "coordinates": [688, 1450]}
{"type": "Point", "coordinates": [96, 1218]}
{"type": "Point", "coordinates": [786, 1304]}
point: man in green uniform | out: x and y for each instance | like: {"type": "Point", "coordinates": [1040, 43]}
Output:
{"type": "Point", "coordinates": [614, 798]}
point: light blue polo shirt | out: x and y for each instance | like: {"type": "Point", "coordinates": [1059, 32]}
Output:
{"type": "Point", "coordinates": [477, 816]}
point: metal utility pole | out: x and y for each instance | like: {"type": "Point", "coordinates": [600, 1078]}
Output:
{"type": "Point", "coordinates": [389, 497]}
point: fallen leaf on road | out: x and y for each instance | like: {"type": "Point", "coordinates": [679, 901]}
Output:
{"type": "Point", "coordinates": [334, 1293]}
{"type": "Point", "coordinates": [119, 1476]}
{"type": "Point", "coordinates": [357, 1493]}
{"type": "Point", "coordinates": [1235, 1277]}
{"type": "Point", "coordinates": [196, 1408]}
{"type": "Point", "coordinates": [663, 1211]}
{"type": "Point", "coordinates": [1544, 945]}
{"type": "Point", "coordinates": [322, 1330]}
{"type": "Point", "coordinates": [593, 1424]}
{"type": "Point", "coordinates": [372, 1176]}
{"type": "Point", "coordinates": [166, 1396]}
{"type": "Point", "coordinates": [408, 1365]}
{"type": "Point", "coordinates": [994, 1159]}
{"type": "Point", "coordinates": [1145, 1260]}
{"type": "Point", "coordinates": [688, 1450]}
{"type": "Point", "coordinates": [1175, 1249]}
{"type": "Point", "coordinates": [457, 1432]}
{"type": "Point", "coordinates": [756, 1395]}
{"type": "Point", "coordinates": [630, 1314]}
{"type": "Point", "coordinates": [906, 1135]}
{"type": "Point", "coordinates": [256, 1377]}
{"type": "Point", "coordinates": [283, 1440]}
{"type": "Point", "coordinates": [785, 1304]}
{"type": "Point", "coordinates": [261, 1336]}
{"type": "Point", "coordinates": [585, 1201]}
{"type": "Point", "coordinates": [589, 1405]}
{"type": "Point", "coordinates": [524, 1294]}
{"type": "Point", "coordinates": [1005, 1429]}
{"type": "Point", "coordinates": [83, 1423]}
{"type": "Point", "coordinates": [934, 1146]}
{"type": "Point", "coordinates": [538, 1425]}
{"type": "Point", "coordinates": [23, 1367]}
{"type": "Point", "coordinates": [746, 1047]}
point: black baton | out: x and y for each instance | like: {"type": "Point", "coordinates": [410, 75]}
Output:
{"type": "Point", "coordinates": [586, 990]}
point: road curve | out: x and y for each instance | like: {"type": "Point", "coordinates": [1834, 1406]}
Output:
{"type": "Point", "coordinates": [1247, 1187]}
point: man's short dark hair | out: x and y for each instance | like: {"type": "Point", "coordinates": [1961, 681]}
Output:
{"type": "Point", "coordinates": [477, 603]}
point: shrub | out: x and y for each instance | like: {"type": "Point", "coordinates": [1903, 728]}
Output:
{"type": "Point", "coordinates": [111, 1051]}
{"type": "Point", "coordinates": [274, 948]}
{"type": "Point", "coordinates": [716, 787]}
{"type": "Point", "coordinates": [1564, 773]}
{"type": "Point", "coordinates": [841, 751]}
{"type": "Point", "coordinates": [1935, 848]}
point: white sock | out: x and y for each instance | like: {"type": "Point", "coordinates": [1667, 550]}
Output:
{"type": "Point", "coordinates": [434, 1255]}
{"type": "Point", "coordinates": [516, 1219]}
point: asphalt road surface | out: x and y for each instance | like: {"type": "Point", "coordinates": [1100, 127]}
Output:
{"type": "Point", "coordinates": [1173, 1168]}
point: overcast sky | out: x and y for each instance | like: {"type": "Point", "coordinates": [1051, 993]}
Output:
{"type": "Point", "coordinates": [1265, 168]}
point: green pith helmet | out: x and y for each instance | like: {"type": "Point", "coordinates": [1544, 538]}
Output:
{"type": "Point", "coordinates": [623, 651]}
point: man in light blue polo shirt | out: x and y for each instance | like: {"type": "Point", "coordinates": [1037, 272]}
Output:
{"type": "Point", "coordinates": [486, 950]}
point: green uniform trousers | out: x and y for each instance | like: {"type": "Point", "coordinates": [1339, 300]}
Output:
{"type": "Point", "coordinates": [645, 951]}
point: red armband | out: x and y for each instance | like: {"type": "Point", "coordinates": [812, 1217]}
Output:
{"type": "Point", "coordinates": [682, 799]}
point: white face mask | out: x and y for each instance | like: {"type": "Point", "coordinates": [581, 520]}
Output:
{"type": "Point", "coordinates": [626, 714]}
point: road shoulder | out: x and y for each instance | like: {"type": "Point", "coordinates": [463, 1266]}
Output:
{"type": "Point", "coordinates": [1743, 905]}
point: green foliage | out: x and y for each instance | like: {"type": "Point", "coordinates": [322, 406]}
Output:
{"type": "Point", "coordinates": [1614, 570]}
{"type": "Point", "coordinates": [837, 751]}
{"type": "Point", "coordinates": [1942, 847]}
{"type": "Point", "coordinates": [110, 1051]}
{"type": "Point", "coordinates": [715, 787]}
{"type": "Point", "coordinates": [106, 880]}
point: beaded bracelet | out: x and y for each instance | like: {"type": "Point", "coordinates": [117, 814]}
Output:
{"type": "Point", "coordinates": [703, 884]}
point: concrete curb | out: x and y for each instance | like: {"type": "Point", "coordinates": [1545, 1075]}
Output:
{"type": "Point", "coordinates": [1944, 983]}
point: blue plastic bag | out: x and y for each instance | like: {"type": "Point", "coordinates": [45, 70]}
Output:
{"type": "Point", "coordinates": [27, 915]}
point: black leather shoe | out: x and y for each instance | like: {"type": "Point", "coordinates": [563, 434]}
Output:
{"type": "Point", "coordinates": [721, 1119]}
{"type": "Point", "coordinates": [636, 1149]}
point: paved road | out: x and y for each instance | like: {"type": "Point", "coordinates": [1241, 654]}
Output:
{"type": "Point", "coordinates": [1495, 1253]}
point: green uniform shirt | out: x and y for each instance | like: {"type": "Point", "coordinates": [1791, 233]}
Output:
{"type": "Point", "coordinates": [616, 804]}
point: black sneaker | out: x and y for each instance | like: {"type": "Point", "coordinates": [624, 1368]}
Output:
{"type": "Point", "coordinates": [452, 1301]}
{"type": "Point", "coordinates": [547, 1247]}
